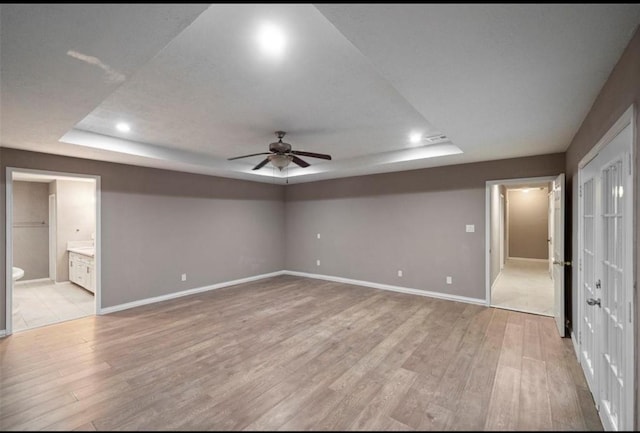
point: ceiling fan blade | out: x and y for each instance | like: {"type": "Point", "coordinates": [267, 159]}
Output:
{"type": "Point", "coordinates": [311, 154]}
{"type": "Point", "coordinates": [253, 154]}
{"type": "Point", "coordinates": [299, 161]}
{"type": "Point", "coordinates": [262, 164]}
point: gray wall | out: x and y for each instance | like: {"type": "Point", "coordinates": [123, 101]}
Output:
{"type": "Point", "coordinates": [31, 229]}
{"type": "Point", "coordinates": [75, 219]}
{"type": "Point", "coordinates": [621, 89]}
{"type": "Point", "coordinates": [528, 223]}
{"type": "Point", "coordinates": [372, 226]}
{"type": "Point", "coordinates": [158, 224]}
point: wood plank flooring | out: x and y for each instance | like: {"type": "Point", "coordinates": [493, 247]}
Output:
{"type": "Point", "coordinates": [290, 353]}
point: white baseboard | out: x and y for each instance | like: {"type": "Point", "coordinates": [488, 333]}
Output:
{"type": "Point", "coordinates": [3, 333]}
{"type": "Point", "coordinates": [36, 280]}
{"type": "Point", "coordinates": [406, 290]}
{"type": "Point", "coordinates": [390, 287]}
{"type": "Point", "coordinates": [168, 296]}
{"type": "Point", "coordinates": [496, 280]}
{"type": "Point", "coordinates": [528, 259]}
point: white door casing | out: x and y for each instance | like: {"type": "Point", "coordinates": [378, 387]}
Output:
{"type": "Point", "coordinates": [52, 237]}
{"type": "Point", "coordinates": [502, 229]}
{"type": "Point", "coordinates": [558, 253]}
{"type": "Point", "coordinates": [550, 223]}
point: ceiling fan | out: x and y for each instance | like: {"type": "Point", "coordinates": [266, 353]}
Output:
{"type": "Point", "coordinates": [280, 154]}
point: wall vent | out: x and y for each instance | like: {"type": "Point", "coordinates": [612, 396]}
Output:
{"type": "Point", "coordinates": [438, 138]}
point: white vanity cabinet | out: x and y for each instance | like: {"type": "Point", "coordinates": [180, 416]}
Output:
{"type": "Point", "coordinates": [81, 269]}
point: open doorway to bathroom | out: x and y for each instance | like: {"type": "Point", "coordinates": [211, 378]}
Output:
{"type": "Point", "coordinates": [52, 247]}
{"type": "Point", "coordinates": [521, 227]}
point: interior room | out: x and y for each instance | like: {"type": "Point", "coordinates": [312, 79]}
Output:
{"type": "Point", "coordinates": [296, 221]}
{"type": "Point", "coordinates": [522, 224]}
{"type": "Point", "coordinates": [54, 225]}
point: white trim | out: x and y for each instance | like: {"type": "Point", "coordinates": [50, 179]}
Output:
{"type": "Point", "coordinates": [627, 118]}
{"type": "Point", "coordinates": [496, 280]}
{"type": "Point", "coordinates": [406, 290]}
{"type": "Point", "coordinates": [35, 280]}
{"type": "Point", "coordinates": [8, 318]}
{"type": "Point", "coordinates": [9, 237]}
{"type": "Point", "coordinates": [487, 223]}
{"type": "Point", "coordinates": [527, 259]}
{"type": "Point", "coordinates": [3, 333]}
{"type": "Point", "coordinates": [169, 296]}
{"type": "Point", "coordinates": [521, 310]}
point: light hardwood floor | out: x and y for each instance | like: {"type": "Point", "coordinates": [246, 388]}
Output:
{"type": "Point", "coordinates": [291, 353]}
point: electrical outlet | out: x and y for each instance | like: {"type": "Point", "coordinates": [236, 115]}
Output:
{"type": "Point", "coordinates": [471, 228]}
{"type": "Point", "coordinates": [318, 235]}
{"type": "Point", "coordinates": [184, 277]}
{"type": "Point", "coordinates": [399, 272]}
{"type": "Point", "coordinates": [317, 262]}
{"type": "Point", "coordinates": [449, 280]}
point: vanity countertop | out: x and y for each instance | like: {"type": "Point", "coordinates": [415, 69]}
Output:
{"type": "Point", "coordinates": [87, 251]}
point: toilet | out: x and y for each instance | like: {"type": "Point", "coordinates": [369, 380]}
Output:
{"type": "Point", "coordinates": [17, 273]}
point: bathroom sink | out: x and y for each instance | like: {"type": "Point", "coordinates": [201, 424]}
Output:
{"type": "Point", "coordinates": [17, 273]}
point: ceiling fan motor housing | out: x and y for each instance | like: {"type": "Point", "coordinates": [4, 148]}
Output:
{"type": "Point", "coordinates": [280, 147]}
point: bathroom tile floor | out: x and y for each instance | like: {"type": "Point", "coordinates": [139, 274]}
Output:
{"type": "Point", "coordinates": [43, 302]}
{"type": "Point", "coordinates": [524, 286]}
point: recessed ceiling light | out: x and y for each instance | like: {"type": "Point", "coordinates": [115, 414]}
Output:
{"type": "Point", "coordinates": [271, 39]}
{"type": "Point", "coordinates": [123, 127]}
{"type": "Point", "coordinates": [415, 137]}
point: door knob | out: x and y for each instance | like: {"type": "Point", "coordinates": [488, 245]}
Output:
{"type": "Point", "coordinates": [555, 262]}
{"type": "Point", "coordinates": [592, 301]}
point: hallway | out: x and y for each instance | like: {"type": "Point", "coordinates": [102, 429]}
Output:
{"type": "Point", "coordinates": [524, 285]}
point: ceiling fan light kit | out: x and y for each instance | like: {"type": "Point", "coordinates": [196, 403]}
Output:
{"type": "Point", "coordinates": [280, 161]}
{"type": "Point", "coordinates": [280, 155]}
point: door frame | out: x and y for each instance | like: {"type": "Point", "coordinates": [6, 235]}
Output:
{"type": "Point", "coordinates": [626, 119]}
{"type": "Point", "coordinates": [9, 238]}
{"type": "Point", "coordinates": [502, 227]}
{"type": "Point", "coordinates": [487, 218]}
{"type": "Point", "coordinates": [53, 235]}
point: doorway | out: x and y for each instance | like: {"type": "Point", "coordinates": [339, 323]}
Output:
{"type": "Point", "coordinates": [522, 231]}
{"type": "Point", "coordinates": [605, 342]}
{"type": "Point", "coordinates": [53, 247]}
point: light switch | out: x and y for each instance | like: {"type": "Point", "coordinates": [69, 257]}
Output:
{"type": "Point", "coordinates": [318, 235]}
{"type": "Point", "coordinates": [471, 228]}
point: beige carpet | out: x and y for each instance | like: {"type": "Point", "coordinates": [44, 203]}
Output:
{"type": "Point", "coordinates": [524, 285]}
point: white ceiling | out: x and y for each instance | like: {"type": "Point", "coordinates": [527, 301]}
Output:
{"type": "Point", "coordinates": [354, 81]}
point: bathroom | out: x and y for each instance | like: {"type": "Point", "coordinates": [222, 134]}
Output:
{"type": "Point", "coordinates": [53, 229]}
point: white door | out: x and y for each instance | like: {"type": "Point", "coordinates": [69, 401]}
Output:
{"type": "Point", "coordinates": [605, 276]}
{"type": "Point", "coordinates": [589, 320]}
{"type": "Point", "coordinates": [558, 253]}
